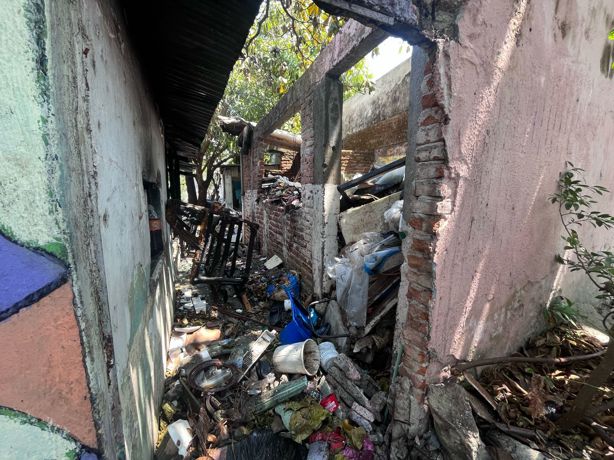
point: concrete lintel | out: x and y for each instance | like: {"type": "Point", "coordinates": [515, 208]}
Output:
{"type": "Point", "coordinates": [349, 46]}
{"type": "Point", "coordinates": [396, 17]}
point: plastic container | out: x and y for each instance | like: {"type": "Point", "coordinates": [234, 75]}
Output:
{"type": "Point", "coordinates": [297, 358]}
{"type": "Point", "coordinates": [298, 329]}
{"type": "Point", "coordinates": [181, 434]}
{"type": "Point", "coordinates": [330, 403]}
{"type": "Point", "coordinates": [280, 394]}
{"type": "Point", "coordinates": [328, 352]}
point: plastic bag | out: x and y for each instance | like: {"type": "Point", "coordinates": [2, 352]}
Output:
{"type": "Point", "coordinates": [352, 279]}
{"type": "Point", "coordinates": [392, 216]}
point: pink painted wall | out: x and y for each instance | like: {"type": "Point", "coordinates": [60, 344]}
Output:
{"type": "Point", "coordinates": [42, 366]}
{"type": "Point", "coordinates": [525, 91]}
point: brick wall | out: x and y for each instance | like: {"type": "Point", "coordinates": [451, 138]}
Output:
{"type": "Point", "coordinates": [286, 234]}
{"type": "Point", "coordinates": [287, 158]}
{"type": "Point", "coordinates": [426, 211]}
{"type": "Point", "coordinates": [355, 162]}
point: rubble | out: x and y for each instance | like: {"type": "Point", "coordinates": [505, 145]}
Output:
{"type": "Point", "coordinates": [231, 375]}
{"type": "Point", "coordinates": [454, 423]}
{"type": "Point", "coordinates": [280, 190]}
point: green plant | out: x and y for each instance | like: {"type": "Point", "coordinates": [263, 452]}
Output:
{"type": "Point", "coordinates": [575, 199]}
{"type": "Point", "coordinates": [561, 311]}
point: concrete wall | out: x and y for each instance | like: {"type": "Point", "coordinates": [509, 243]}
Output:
{"type": "Point", "coordinates": [112, 140]}
{"type": "Point", "coordinates": [389, 98]}
{"type": "Point", "coordinates": [525, 89]}
{"type": "Point", "coordinates": [79, 133]}
{"type": "Point", "coordinates": [43, 370]}
{"type": "Point", "coordinates": [375, 124]}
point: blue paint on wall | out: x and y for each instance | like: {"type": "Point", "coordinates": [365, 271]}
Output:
{"type": "Point", "coordinates": [25, 276]}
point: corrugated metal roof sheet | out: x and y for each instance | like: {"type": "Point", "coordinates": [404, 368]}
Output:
{"type": "Point", "coordinates": [188, 48]}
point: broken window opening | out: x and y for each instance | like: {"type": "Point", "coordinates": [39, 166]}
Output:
{"type": "Point", "coordinates": [281, 160]}
{"type": "Point", "coordinates": [154, 212]}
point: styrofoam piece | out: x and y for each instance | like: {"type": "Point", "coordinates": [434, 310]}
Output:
{"type": "Point", "coordinates": [199, 305]}
{"type": "Point", "coordinates": [273, 262]}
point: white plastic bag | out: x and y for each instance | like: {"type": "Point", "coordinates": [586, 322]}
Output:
{"type": "Point", "coordinates": [392, 216]}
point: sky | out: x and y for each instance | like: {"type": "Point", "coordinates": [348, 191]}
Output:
{"type": "Point", "coordinates": [388, 57]}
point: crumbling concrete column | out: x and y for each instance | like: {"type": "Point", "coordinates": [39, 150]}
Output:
{"type": "Point", "coordinates": [321, 172]}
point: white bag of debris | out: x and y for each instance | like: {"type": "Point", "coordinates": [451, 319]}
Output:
{"type": "Point", "coordinates": [392, 216]}
{"type": "Point", "coordinates": [352, 281]}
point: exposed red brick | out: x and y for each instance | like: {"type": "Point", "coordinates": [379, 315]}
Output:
{"type": "Point", "coordinates": [417, 325]}
{"type": "Point", "coordinates": [428, 101]}
{"type": "Point", "coordinates": [419, 294]}
{"type": "Point", "coordinates": [429, 120]}
{"type": "Point", "coordinates": [422, 246]}
{"type": "Point", "coordinates": [420, 264]}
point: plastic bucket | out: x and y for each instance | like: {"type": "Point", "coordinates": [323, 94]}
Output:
{"type": "Point", "coordinates": [328, 352]}
{"type": "Point", "coordinates": [297, 358]}
{"type": "Point", "coordinates": [298, 329]}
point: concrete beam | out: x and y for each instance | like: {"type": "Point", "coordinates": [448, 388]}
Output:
{"type": "Point", "coordinates": [349, 46]}
{"type": "Point", "coordinates": [399, 18]}
{"type": "Point", "coordinates": [327, 119]}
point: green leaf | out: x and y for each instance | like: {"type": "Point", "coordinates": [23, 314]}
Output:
{"type": "Point", "coordinates": [611, 35]}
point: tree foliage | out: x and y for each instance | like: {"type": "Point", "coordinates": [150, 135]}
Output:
{"type": "Point", "coordinates": [285, 40]}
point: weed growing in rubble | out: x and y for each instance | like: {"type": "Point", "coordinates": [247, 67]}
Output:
{"type": "Point", "coordinates": [562, 311]}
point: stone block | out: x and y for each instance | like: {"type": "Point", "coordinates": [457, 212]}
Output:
{"type": "Point", "coordinates": [360, 421]}
{"type": "Point", "coordinates": [454, 423]}
{"type": "Point", "coordinates": [347, 366]}
{"type": "Point", "coordinates": [363, 412]}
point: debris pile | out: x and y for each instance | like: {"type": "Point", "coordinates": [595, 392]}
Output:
{"type": "Point", "coordinates": [280, 190]}
{"type": "Point", "coordinates": [232, 383]}
{"type": "Point", "coordinates": [513, 409]}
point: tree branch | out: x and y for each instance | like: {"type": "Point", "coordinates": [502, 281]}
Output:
{"type": "Point", "coordinates": [262, 19]}
{"type": "Point", "coordinates": [521, 359]}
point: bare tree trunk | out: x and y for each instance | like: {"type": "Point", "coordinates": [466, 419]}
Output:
{"type": "Point", "coordinates": [192, 197]}
{"type": "Point", "coordinates": [584, 399]}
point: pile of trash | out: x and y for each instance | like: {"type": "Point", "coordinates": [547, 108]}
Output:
{"type": "Point", "coordinates": [235, 385]}
{"type": "Point", "coordinates": [281, 191]}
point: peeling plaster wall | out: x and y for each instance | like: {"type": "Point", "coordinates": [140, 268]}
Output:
{"type": "Point", "coordinates": [111, 138]}
{"type": "Point", "coordinates": [28, 176]}
{"type": "Point", "coordinates": [525, 90]}
{"type": "Point", "coordinates": [128, 147]}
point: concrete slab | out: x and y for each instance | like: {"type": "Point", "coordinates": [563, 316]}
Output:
{"type": "Point", "coordinates": [366, 218]}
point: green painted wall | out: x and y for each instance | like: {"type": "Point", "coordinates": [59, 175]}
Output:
{"type": "Point", "coordinates": [27, 437]}
{"type": "Point", "coordinates": [29, 212]}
